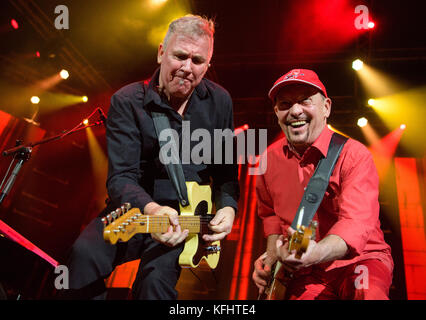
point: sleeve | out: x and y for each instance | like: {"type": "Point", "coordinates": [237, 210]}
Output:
{"type": "Point", "coordinates": [358, 202]}
{"type": "Point", "coordinates": [265, 208]}
{"type": "Point", "coordinates": [124, 152]}
{"type": "Point", "coordinates": [226, 187]}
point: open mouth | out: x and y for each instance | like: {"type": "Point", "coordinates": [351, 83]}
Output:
{"type": "Point", "coordinates": [297, 124]}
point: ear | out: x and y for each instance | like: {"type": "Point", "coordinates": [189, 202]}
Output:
{"type": "Point", "coordinates": [276, 110]}
{"type": "Point", "coordinates": [327, 107]}
{"type": "Point", "coordinates": [160, 53]}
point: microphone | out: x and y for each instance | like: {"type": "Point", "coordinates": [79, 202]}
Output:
{"type": "Point", "coordinates": [102, 116]}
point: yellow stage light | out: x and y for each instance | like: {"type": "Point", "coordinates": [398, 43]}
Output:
{"type": "Point", "coordinates": [371, 102]}
{"type": "Point", "coordinates": [402, 126]}
{"type": "Point", "coordinates": [85, 98]}
{"type": "Point", "coordinates": [362, 122]}
{"type": "Point", "coordinates": [157, 2]}
{"type": "Point", "coordinates": [85, 122]}
{"type": "Point", "coordinates": [64, 74]}
{"type": "Point", "coordinates": [357, 64]}
{"type": "Point", "coordinates": [35, 100]}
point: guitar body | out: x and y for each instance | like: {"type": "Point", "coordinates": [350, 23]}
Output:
{"type": "Point", "coordinates": [278, 286]}
{"type": "Point", "coordinates": [299, 241]}
{"type": "Point", "coordinates": [124, 223]}
{"type": "Point", "coordinates": [195, 251]}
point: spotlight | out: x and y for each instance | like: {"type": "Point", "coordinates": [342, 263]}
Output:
{"type": "Point", "coordinates": [14, 24]}
{"type": "Point", "coordinates": [371, 102]}
{"type": "Point", "coordinates": [86, 122]}
{"type": "Point", "coordinates": [362, 122]}
{"type": "Point", "coordinates": [157, 2]}
{"type": "Point", "coordinates": [357, 64]}
{"type": "Point", "coordinates": [371, 25]}
{"type": "Point", "coordinates": [64, 74]}
{"type": "Point", "coordinates": [402, 126]}
{"type": "Point", "coordinates": [35, 100]}
{"type": "Point", "coordinates": [84, 98]}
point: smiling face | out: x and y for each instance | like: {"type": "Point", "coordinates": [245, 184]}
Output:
{"type": "Point", "coordinates": [302, 113]}
{"type": "Point", "coordinates": [184, 62]}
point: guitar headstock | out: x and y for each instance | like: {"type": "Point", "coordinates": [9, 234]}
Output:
{"type": "Point", "coordinates": [299, 241]}
{"type": "Point", "coordinates": [120, 224]}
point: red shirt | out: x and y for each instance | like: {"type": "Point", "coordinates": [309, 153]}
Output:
{"type": "Point", "coordinates": [350, 208]}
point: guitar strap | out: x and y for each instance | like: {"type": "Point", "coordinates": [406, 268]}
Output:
{"type": "Point", "coordinates": [315, 190]}
{"type": "Point", "coordinates": [173, 167]}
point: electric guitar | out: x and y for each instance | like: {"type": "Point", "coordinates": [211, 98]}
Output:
{"type": "Point", "coordinates": [123, 223]}
{"type": "Point", "coordinates": [299, 241]}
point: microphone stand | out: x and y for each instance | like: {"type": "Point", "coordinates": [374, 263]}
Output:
{"type": "Point", "coordinates": [23, 154]}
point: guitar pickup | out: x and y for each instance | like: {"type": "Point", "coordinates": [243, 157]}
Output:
{"type": "Point", "coordinates": [212, 249]}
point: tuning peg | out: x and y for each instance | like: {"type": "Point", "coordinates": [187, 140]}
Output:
{"type": "Point", "coordinates": [104, 221]}
{"type": "Point", "coordinates": [127, 206]}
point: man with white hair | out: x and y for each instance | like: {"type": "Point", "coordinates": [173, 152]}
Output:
{"type": "Point", "coordinates": [136, 175]}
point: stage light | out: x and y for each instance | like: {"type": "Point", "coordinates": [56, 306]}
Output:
{"type": "Point", "coordinates": [362, 122]}
{"type": "Point", "coordinates": [357, 64]}
{"type": "Point", "coordinates": [371, 25]}
{"type": "Point", "coordinates": [371, 102]}
{"type": "Point", "coordinates": [35, 100]}
{"type": "Point", "coordinates": [85, 122]}
{"type": "Point", "coordinates": [64, 74]}
{"type": "Point", "coordinates": [157, 2]}
{"type": "Point", "coordinates": [84, 98]}
{"type": "Point", "coordinates": [38, 54]}
{"type": "Point", "coordinates": [402, 126]}
{"type": "Point", "coordinates": [14, 24]}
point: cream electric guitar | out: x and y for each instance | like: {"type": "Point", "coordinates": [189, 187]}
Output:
{"type": "Point", "coordinates": [299, 242]}
{"type": "Point", "coordinates": [123, 223]}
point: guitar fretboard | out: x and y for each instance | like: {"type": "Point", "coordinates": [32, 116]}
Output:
{"type": "Point", "coordinates": [160, 224]}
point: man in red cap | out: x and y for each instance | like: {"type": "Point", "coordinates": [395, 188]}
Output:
{"type": "Point", "coordinates": [349, 258]}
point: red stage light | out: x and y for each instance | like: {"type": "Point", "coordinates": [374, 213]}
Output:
{"type": "Point", "coordinates": [38, 54]}
{"type": "Point", "coordinates": [14, 24]}
{"type": "Point", "coordinates": [371, 25]}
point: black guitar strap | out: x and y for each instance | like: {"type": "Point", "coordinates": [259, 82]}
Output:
{"type": "Point", "coordinates": [173, 167]}
{"type": "Point", "coordinates": [318, 183]}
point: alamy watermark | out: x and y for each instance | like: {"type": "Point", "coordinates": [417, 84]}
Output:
{"type": "Point", "coordinates": [362, 20]}
{"type": "Point", "coordinates": [62, 280]}
{"type": "Point", "coordinates": [63, 18]}
{"type": "Point", "coordinates": [361, 281]}
{"type": "Point", "coordinates": [224, 147]}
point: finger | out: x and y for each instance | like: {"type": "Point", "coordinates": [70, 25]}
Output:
{"type": "Point", "coordinates": [258, 280]}
{"type": "Point", "coordinates": [173, 217]}
{"type": "Point", "coordinates": [164, 238]}
{"type": "Point", "coordinates": [214, 237]}
{"type": "Point", "coordinates": [177, 236]}
{"type": "Point", "coordinates": [262, 270]}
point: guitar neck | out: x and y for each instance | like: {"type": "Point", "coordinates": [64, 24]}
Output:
{"type": "Point", "coordinates": [160, 224]}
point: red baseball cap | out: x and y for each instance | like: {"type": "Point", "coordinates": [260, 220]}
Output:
{"type": "Point", "coordinates": [297, 76]}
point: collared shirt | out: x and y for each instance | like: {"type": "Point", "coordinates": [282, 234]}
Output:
{"type": "Point", "coordinates": [135, 173]}
{"type": "Point", "coordinates": [350, 208]}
